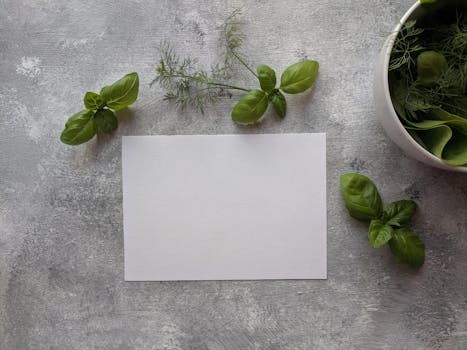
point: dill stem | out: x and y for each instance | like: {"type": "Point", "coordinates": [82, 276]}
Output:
{"type": "Point", "coordinates": [213, 83]}
{"type": "Point", "coordinates": [233, 87]}
{"type": "Point", "coordinates": [243, 63]}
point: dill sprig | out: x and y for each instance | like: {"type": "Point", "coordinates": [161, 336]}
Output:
{"type": "Point", "coordinates": [232, 40]}
{"type": "Point", "coordinates": [406, 46]}
{"type": "Point", "coordinates": [450, 90]}
{"type": "Point", "coordinates": [452, 39]}
{"type": "Point", "coordinates": [187, 84]}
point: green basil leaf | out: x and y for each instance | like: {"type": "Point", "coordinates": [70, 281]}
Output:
{"type": "Point", "coordinates": [436, 139]}
{"type": "Point", "coordinates": [379, 233]}
{"type": "Point", "coordinates": [105, 120]}
{"type": "Point", "coordinates": [80, 128]}
{"type": "Point", "coordinates": [399, 213]}
{"type": "Point", "coordinates": [278, 102]}
{"type": "Point", "coordinates": [430, 66]}
{"type": "Point", "coordinates": [266, 77]}
{"type": "Point", "coordinates": [408, 248]}
{"type": "Point", "coordinates": [122, 93]}
{"type": "Point", "coordinates": [426, 124]}
{"type": "Point", "coordinates": [299, 76]}
{"type": "Point", "coordinates": [93, 100]}
{"type": "Point", "coordinates": [361, 197]}
{"type": "Point", "coordinates": [455, 152]}
{"type": "Point", "coordinates": [251, 107]}
{"type": "Point", "coordinates": [458, 123]}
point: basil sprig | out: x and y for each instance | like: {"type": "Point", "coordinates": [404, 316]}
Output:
{"type": "Point", "coordinates": [364, 203]}
{"type": "Point", "coordinates": [295, 79]}
{"type": "Point", "coordinates": [99, 114]}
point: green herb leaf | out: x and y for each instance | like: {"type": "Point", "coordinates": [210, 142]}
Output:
{"type": "Point", "coordinates": [79, 128]}
{"type": "Point", "coordinates": [455, 152]}
{"type": "Point", "coordinates": [266, 77]}
{"type": "Point", "coordinates": [407, 247]}
{"type": "Point", "coordinates": [458, 123]}
{"type": "Point", "coordinates": [251, 107]}
{"type": "Point", "coordinates": [379, 233]}
{"type": "Point", "coordinates": [399, 213]}
{"type": "Point", "coordinates": [93, 100]}
{"type": "Point", "coordinates": [299, 76]}
{"type": "Point", "coordinates": [122, 93]}
{"type": "Point", "coordinates": [430, 67]}
{"type": "Point", "coordinates": [436, 139]}
{"type": "Point", "coordinates": [361, 197]}
{"type": "Point", "coordinates": [106, 121]}
{"type": "Point", "coordinates": [426, 124]}
{"type": "Point", "coordinates": [278, 102]}
{"type": "Point", "coordinates": [362, 200]}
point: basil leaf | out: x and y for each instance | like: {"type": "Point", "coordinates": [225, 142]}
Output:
{"type": "Point", "coordinates": [436, 139]}
{"type": "Point", "coordinates": [122, 93]}
{"type": "Point", "coordinates": [379, 233]}
{"type": "Point", "coordinates": [458, 123]}
{"type": "Point", "coordinates": [426, 124]}
{"type": "Point", "coordinates": [105, 120]}
{"type": "Point", "coordinates": [278, 102]}
{"type": "Point", "coordinates": [455, 152]}
{"type": "Point", "coordinates": [361, 197]}
{"type": "Point", "coordinates": [430, 66]}
{"type": "Point", "coordinates": [266, 77]}
{"type": "Point", "coordinates": [80, 128]}
{"type": "Point", "coordinates": [299, 76]}
{"type": "Point", "coordinates": [408, 248]}
{"type": "Point", "coordinates": [93, 100]}
{"type": "Point", "coordinates": [251, 107]}
{"type": "Point", "coordinates": [399, 213]}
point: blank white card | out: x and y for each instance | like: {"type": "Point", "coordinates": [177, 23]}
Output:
{"type": "Point", "coordinates": [224, 207]}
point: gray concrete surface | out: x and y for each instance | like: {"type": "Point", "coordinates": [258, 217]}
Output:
{"type": "Point", "coordinates": [61, 237]}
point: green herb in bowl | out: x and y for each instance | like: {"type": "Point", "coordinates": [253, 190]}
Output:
{"type": "Point", "coordinates": [428, 79]}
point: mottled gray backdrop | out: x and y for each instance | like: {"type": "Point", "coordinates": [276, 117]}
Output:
{"type": "Point", "coordinates": [61, 237]}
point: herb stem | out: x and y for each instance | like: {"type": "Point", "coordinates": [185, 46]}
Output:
{"type": "Point", "coordinates": [232, 87]}
{"type": "Point", "coordinates": [243, 63]}
{"type": "Point", "coordinates": [213, 83]}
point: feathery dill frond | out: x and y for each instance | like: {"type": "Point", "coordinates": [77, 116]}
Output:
{"type": "Point", "coordinates": [452, 39]}
{"type": "Point", "coordinates": [232, 38]}
{"type": "Point", "coordinates": [186, 84]}
{"type": "Point", "coordinates": [406, 46]}
{"type": "Point", "coordinates": [450, 90]}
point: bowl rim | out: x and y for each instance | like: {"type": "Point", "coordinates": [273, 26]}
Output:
{"type": "Point", "coordinates": [387, 95]}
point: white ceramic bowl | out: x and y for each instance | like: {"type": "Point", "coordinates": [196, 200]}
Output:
{"type": "Point", "coordinates": [385, 110]}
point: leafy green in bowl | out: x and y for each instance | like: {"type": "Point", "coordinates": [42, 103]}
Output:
{"type": "Point", "coordinates": [428, 79]}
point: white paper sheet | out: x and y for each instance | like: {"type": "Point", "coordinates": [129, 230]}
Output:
{"type": "Point", "coordinates": [224, 207]}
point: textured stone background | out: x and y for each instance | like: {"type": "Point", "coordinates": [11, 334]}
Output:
{"type": "Point", "coordinates": [61, 238]}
